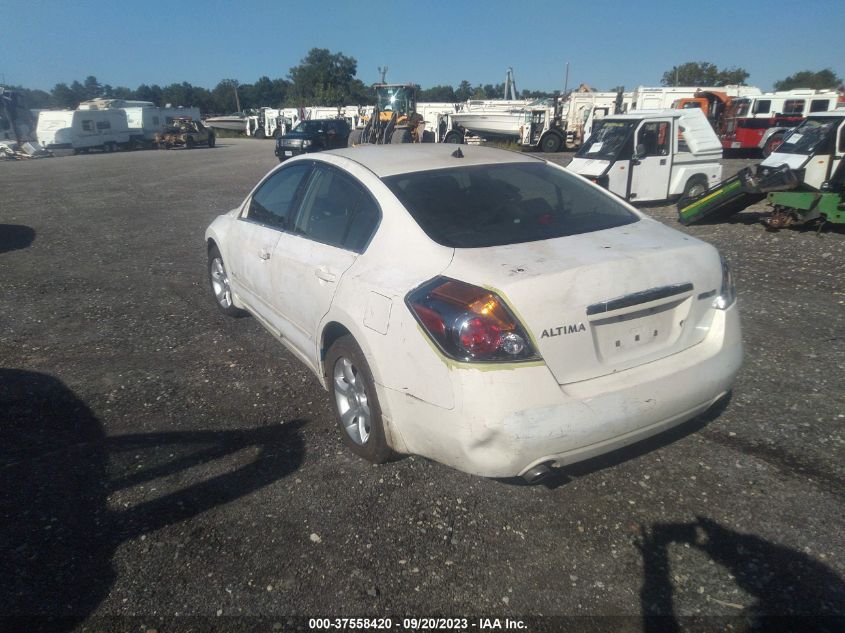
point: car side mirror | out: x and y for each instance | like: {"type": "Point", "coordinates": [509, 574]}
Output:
{"type": "Point", "coordinates": [639, 152]}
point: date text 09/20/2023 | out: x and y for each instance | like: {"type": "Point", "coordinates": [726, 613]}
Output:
{"type": "Point", "coordinates": [417, 624]}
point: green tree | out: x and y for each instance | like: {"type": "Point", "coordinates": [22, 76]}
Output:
{"type": "Point", "coordinates": [818, 80]}
{"type": "Point", "coordinates": [703, 74]}
{"type": "Point", "coordinates": [63, 97]}
{"type": "Point", "coordinates": [149, 93]}
{"type": "Point", "coordinates": [91, 88]}
{"type": "Point", "coordinates": [443, 94]}
{"type": "Point", "coordinates": [464, 91]}
{"type": "Point", "coordinates": [322, 77]}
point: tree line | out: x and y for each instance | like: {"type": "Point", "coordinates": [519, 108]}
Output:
{"type": "Point", "coordinates": [327, 78]}
{"type": "Point", "coordinates": [707, 74]}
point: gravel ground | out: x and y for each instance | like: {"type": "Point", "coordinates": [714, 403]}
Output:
{"type": "Point", "coordinates": [159, 459]}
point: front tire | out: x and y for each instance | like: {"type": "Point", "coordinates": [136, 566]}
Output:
{"type": "Point", "coordinates": [356, 405]}
{"type": "Point", "coordinates": [550, 143]}
{"type": "Point", "coordinates": [772, 144]}
{"type": "Point", "coordinates": [218, 278]}
{"type": "Point", "coordinates": [454, 137]}
{"type": "Point", "coordinates": [355, 137]}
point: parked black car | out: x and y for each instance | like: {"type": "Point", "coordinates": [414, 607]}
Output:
{"type": "Point", "coordinates": [312, 136]}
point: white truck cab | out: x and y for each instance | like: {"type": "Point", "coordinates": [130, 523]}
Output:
{"type": "Point", "coordinates": [817, 146]}
{"type": "Point", "coordinates": [652, 155]}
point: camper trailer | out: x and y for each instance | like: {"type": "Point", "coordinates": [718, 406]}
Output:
{"type": "Point", "coordinates": [83, 130]}
{"type": "Point", "coordinates": [652, 155]}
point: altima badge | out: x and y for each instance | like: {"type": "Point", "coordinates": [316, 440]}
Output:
{"type": "Point", "coordinates": [563, 329]}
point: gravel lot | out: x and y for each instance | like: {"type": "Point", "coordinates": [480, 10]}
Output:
{"type": "Point", "coordinates": [159, 459]}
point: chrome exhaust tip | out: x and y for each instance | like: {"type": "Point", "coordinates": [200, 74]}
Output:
{"type": "Point", "coordinates": [536, 474]}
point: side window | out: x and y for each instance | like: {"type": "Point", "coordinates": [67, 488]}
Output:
{"type": "Point", "coordinates": [763, 106]}
{"type": "Point", "coordinates": [103, 125]}
{"type": "Point", "coordinates": [818, 105]}
{"type": "Point", "coordinates": [274, 201]}
{"type": "Point", "coordinates": [793, 106]}
{"type": "Point", "coordinates": [337, 211]}
{"type": "Point", "coordinates": [363, 224]}
{"type": "Point", "coordinates": [653, 139]}
{"type": "Point", "coordinates": [88, 126]}
{"type": "Point", "coordinates": [842, 140]}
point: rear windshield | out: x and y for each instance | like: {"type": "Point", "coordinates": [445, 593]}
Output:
{"type": "Point", "coordinates": [493, 205]}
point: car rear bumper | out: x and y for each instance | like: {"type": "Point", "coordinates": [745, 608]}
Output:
{"type": "Point", "coordinates": [506, 421]}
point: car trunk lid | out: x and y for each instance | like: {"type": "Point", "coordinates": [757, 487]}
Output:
{"type": "Point", "coordinates": [602, 302]}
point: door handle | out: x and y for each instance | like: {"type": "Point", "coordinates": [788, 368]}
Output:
{"type": "Point", "coordinates": [265, 255]}
{"type": "Point", "coordinates": [325, 275]}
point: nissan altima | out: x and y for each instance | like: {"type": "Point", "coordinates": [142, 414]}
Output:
{"type": "Point", "coordinates": [483, 308]}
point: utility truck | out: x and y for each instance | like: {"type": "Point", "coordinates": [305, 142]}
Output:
{"type": "Point", "coordinates": [564, 123]}
{"type": "Point", "coordinates": [651, 155]}
{"type": "Point", "coordinates": [803, 179]}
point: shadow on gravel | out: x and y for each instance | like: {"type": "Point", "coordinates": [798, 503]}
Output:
{"type": "Point", "coordinates": [57, 529]}
{"type": "Point", "coordinates": [792, 592]}
{"type": "Point", "coordinates": [563, 475]}
{"type": "Point", "coordinates": [14, 237]}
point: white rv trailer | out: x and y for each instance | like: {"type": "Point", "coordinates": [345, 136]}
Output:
{"type": "Point", "coordinates": [143, 118]}
{"type": "Point", "coordinates": [83, 130]}
{"type": "Point", "coordinates": [650, 155]}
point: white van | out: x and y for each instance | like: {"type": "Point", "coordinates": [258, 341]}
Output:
{"type": "Point", "coordinates": [652, 154]}
{"type": "Point", "coordinates": [82, 130]}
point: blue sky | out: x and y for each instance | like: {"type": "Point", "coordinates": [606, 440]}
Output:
{"type": "Point", "coordinates": [607, 43]}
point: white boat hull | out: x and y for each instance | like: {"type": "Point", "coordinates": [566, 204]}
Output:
{"type": "Point", "coordinates": [227, 123]}
{"type": "Point", "coordinates": [498, 123]}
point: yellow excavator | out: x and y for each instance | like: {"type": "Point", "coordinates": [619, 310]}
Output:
{"type": "Point", "coordinates": [394, 119]}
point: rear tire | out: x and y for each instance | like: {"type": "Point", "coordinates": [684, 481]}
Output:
{"type": "Point", "coordinates": [454, 137]}
{"type": "Point", "coordinates": [189, 142]}
{"type": "Point", "coordinates": [211, 140]}
{"type": "Point", "coordinates": [695, 186]}
{"type": "Point", "coordinates": [356, 405]}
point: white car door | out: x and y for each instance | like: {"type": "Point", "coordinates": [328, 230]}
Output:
{"type": "Point", "coordinates": [652, 165]}
{"type": "Point", "coordinates": [254, 236]}
{"type": "Point", "coordinates": [336, 220]}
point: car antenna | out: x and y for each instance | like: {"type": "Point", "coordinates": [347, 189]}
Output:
{"type": "Point", "coordinates": [457, 153]}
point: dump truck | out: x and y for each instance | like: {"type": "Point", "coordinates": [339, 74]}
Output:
{"type": "Point", "coordinates": [802, 179]}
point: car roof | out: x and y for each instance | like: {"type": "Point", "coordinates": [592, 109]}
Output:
{"type": "Point", "coordinates": [389, 160]}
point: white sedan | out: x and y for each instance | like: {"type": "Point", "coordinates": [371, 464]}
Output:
{"type": "Point", "coordinates": [483, 308]}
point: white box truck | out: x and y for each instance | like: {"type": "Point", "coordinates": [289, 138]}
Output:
{"type": "Point", "coordinates": [652, 155]}
{"type": "Point", "coordinates": [83, 130]}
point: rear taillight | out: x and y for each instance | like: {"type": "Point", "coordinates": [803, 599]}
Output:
{"type": "Point", "coordinates": [469, 323]}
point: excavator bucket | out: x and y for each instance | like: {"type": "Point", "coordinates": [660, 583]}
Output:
{"type": "Point", "coordinates": [735, 194]}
